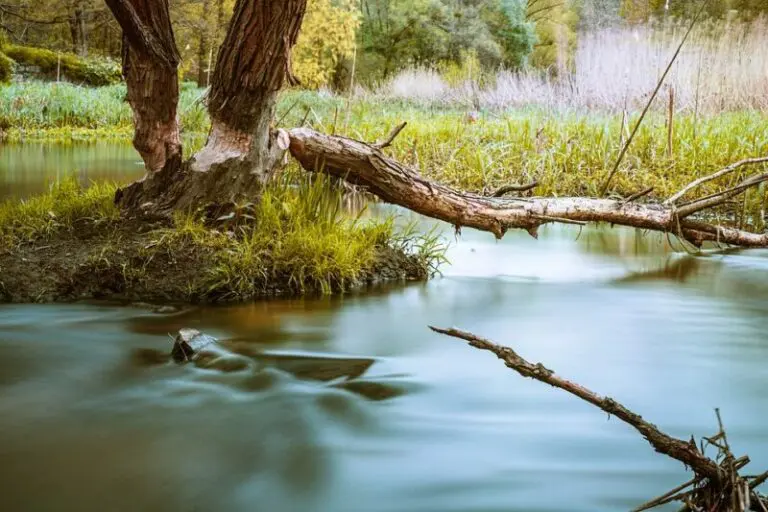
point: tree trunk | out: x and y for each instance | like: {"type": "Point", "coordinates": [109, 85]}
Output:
{"type": "Point", "coordinates": [150, 61]}
{"type": "Point", "coordinates": [241, 150]}
{"type": "Point", "coordinates": [78, 29]}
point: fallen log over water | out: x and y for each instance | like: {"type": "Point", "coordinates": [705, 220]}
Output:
{"type": "Point", "coordinates": [715, 487]}
{"type": "Point", "coordinates": [367, 166]}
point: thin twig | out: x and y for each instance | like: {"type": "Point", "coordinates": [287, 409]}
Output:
{"type": "Point", "coordinates": [624, 149]}
{"type": "Point", "coordinates": [391, 137]}
{"type": "Point", "coordinates": [664, 498]}
{"type": "Point", "coordinates": [638, 195]}
{"type": "Point", "coordinates": [514, 188]}
{"type": "Point", "coordinates": [561, 220]}
{"type": "Point", "coordinates": [714, 176]}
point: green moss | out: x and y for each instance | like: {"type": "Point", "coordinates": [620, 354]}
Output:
{"type": "Point", "coordinates": [95, 72]}
{"type": "Point", "coordinates": [6, 68]}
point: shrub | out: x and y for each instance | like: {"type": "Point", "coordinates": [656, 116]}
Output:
{"type": "Point", "coordinates": [88, 71]}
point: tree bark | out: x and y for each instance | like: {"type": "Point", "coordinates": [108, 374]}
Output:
{"type": "Point", "coordinates": [150, 62]}
{"type": "Point", "coordinates": [241, 151]}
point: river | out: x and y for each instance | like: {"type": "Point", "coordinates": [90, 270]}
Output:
{"type": "Point", "coordinates": [351, 404]}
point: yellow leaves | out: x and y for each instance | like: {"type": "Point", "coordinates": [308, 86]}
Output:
{"type": "Point", "coordinates": [327, 36]}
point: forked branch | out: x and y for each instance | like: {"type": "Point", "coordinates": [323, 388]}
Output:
{"type": "Point", "coordinates": [722, 172]}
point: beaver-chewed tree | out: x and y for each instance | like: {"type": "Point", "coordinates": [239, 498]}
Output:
{"type": "Point", "coordinates": [243, 149]}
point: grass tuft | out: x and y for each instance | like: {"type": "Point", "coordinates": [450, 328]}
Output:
{"type": "Point", "coordinates": [62, 208]}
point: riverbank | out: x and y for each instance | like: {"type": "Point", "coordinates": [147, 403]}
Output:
{"type": "Point", "coordinates": [72, 244]}
{"type": "Point", "coordinates": [568, 152]}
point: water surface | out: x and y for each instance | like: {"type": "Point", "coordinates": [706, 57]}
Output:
{"type": "Point", "coordinates": [407, 420]}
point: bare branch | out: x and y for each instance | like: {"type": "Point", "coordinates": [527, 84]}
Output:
{"type": "Point", "coordinates": [722, 172]}
{"type": "Point", "coordinates": [366, 166]}
{"type": "Point", "coordinates": [638, 195]}
{"type": "Point", "coordinates": [391, 137]}
{"type": "Point", "coordinates": [678, 449]}
{"type": "Point", "coordinates": [514, 188]}
{"type": "Point", "coordinates": [720, 197]}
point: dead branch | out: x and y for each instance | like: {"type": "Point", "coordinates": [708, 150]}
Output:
{"type": "Point", "coordinates": [514, 188]}
{"type": "Point", "coordinates": [719, 198]}
{"type": "Point", "coordinates": [638, 195]}
{"type": "Point", "coordinates": [716, 487]}
{"type": "Point", "coordinates": [678, 449]}
{"type": "Point", "coordinates": [722, 172]}
{"type": "Point", "coordinates": [365, 165]}
{"type": "Point", "coordinates": [391, 137]}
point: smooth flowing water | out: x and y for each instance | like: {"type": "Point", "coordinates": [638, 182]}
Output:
{"type": "Point", "coordinates": [352, 404]}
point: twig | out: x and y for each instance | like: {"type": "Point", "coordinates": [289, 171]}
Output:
{"type": "Point", "coordinates": [391, 137]}
{"type": "Point", "coordinates": [758, 480]}
{"type": "Point", "coordinates": [714, 176]}
{"type": "Point", "coordinates": [514, 188]}
{"type": "Point", "coordinates": [666, 497]}
{"type": "Point", "coordinates": [624, 149]}
{"type": "Point", "coordinates": [561, 220]}
{"type": "Point", "coordinates": [638, 195]}
{"type": "Point", "coordinates": [680, 450]}
{"type": "Point", "coordinates": [719, 197]}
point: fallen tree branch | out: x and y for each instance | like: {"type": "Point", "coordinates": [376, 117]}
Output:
{"type": "Point", "coordinates": [716, 487]}
{"type": "Point", "coordinates": [366, 166]}
{"type": "Point", "coordinates": [678, 449]}
{"type": "Point", "coordinates": [514, 188]}
{"type": "Point", "coordinates": [722, 172]}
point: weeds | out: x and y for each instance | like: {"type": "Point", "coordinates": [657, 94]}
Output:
{"type": "Point", "coordinates": [65, 205]}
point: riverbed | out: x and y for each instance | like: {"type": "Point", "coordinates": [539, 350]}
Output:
{"type": "Point", "coordinates": [351, 403]}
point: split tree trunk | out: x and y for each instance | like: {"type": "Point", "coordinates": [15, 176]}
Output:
{"type": "Point", "coordinates": [241, 151]}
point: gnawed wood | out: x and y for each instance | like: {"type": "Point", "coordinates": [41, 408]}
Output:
{"type": "Point", "coordinates": [366, 166]}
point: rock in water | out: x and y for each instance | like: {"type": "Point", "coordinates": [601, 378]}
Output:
{"type": "Point", "coordinates": [188, 343]}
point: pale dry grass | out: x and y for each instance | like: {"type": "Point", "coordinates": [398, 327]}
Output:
{"type": "Point", "coordinates": [722, 67]}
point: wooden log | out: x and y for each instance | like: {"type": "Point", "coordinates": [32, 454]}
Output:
{"type": "Point", "coordinates": [367, 166]}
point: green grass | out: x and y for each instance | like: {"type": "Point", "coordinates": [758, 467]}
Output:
{"type": "Point", "coordinates": [569, 153]}
{"type": "Point", "coordinates": [298, 239]}
{"type": "Point", "coordinates": [61, 208]}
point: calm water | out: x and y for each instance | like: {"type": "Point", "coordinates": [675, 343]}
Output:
{"type": "Point", "coordinates": [352, 404]}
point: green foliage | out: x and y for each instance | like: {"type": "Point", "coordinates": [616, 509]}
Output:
{"type": "Point", "coordinates": [506, 20]}
{"type": "Point", "coordinates": [93, 72]}
{"type": "Point", "coordinates": [30, 106]}
{"type": "Point", "coordinates": [556, 23]}
{"type": "Point", "coordinates": [327, 36]}
{"type": "Point", "coordinates": [398, 33]}
{"type": "Point", "coordinates": [6, 68]}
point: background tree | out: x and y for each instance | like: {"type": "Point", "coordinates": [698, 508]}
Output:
{"type": "Point", "coordinates": [327, 36]}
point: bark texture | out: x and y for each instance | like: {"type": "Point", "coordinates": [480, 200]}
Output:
{"type": "Point", "coordinates": [366, 165]}
{"type": "Point", "coordinates": [241, 150]}
{"type": "Point", "coordinates": [150, 62]}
